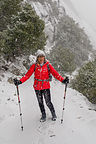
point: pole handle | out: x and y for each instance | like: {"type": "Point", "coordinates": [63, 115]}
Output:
{"type": "Point", "coordinates": [22, 128]}
{"type": "Point", "coordinates": [66, 86]}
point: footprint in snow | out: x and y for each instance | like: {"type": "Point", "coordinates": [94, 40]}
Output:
{"type": "Point", "coordinates": [79, 117]}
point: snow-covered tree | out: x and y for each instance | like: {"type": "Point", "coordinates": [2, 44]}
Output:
{"type": "Point", "coordinates": [7, 9]}
{"type": "Point", "coordinates": [85, 81]}
{"type": "Point", "coordinates": [70, 35]}
{"type": "Point", "coordinates": [25, 33]}
{"type": "Point", "coordinates": [62, 59]}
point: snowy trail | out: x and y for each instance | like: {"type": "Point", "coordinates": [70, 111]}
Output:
{"type": "Point", "coordinates": [79, 125]}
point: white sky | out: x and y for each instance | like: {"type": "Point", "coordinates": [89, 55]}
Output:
{"type": "Point", "coordinates": [83, 11]}
{"type": "Point", "coordinates": [86, 10]}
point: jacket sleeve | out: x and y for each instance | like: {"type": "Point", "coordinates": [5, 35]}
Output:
{"type": "Point", "coordinates": [28, 74]}
{"type": "Point", "coordinates": [55, 73]}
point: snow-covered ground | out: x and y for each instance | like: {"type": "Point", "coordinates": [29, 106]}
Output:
{"type": "Point", "coordinates": [79, 126]}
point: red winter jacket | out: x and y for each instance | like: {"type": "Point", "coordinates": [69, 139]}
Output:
{"type": "Point", "coordinates": [41, 73]}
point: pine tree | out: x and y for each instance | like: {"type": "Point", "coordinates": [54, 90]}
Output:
{"type": "Point", "coordinates": [62, 59]}
{"type": "Point", "coordinates": [24, 34]}
{"type": "Point", "coordinates": [7, 9]}
{"type": "Point", "coordinates": [85, 81]}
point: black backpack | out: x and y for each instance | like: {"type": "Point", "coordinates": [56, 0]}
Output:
{"type": "Point", "coordinates": [50, 76]}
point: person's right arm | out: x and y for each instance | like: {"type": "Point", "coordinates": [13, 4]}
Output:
{"type": "Point", "coordinates": [28, 74]}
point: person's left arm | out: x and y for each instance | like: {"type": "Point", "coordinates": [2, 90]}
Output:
{"type": "Point", "coordinates": [55, 73]}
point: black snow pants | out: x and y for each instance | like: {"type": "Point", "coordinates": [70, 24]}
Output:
{"type": "Point", "coordinates": [47, 97]}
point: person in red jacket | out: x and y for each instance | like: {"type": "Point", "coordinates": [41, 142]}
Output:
{"type": "Point", "coordinates": [42, 70]}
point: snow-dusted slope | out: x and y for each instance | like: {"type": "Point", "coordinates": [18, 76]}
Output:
{"type": "Point", "coordinates": [79, 125]}
{"type": "Point", "coordinates": [83, 11]}
{"type": "Point", "coordinates": [50, 12]}
{"type": "Point", "coordinates": [86, 10]}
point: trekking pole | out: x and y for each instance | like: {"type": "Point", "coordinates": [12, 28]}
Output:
{"type": "Point", "coordinates": [64, 102]}
{"type": "Point", "coordinates": [19, 108]}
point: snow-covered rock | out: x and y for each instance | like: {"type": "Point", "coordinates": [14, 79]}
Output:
{"type": "Point", "coordinates": [50, 12]}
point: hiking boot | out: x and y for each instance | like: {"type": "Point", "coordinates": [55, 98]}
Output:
{"type": "Point", "coordinates": [43, 118]}
{"type": "Point", "coordinates": [54, 117]}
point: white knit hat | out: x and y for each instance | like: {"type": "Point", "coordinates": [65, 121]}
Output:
{"type": "Point", "coordinates": [40, 53]}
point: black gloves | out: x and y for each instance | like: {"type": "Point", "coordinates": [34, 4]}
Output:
{"type": "Point", "coordinates": [66, 80]}
{"type": "Point", "coordinates": [17, 82]}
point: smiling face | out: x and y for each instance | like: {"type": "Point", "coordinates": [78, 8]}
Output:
{"type": "Point", "coordinates": [41, 59]}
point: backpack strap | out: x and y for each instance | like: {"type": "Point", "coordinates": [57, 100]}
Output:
{"type": "Point", "coordinates": [35, 67]}
{"type": "Point", "coordinates": [48, 68]}
{"type": "Point", "coordinates": [50, 76]}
